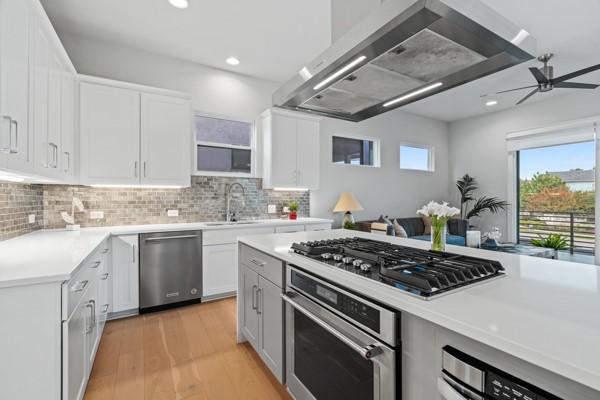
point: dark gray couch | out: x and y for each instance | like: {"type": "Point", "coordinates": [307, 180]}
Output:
{"type": "Point", "coordinates": [415, 228]}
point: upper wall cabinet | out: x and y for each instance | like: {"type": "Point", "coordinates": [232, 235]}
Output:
{"type": "Point", "coordinates": [133, 137]}
{"type": "Point", "coordinates": [290, 150]}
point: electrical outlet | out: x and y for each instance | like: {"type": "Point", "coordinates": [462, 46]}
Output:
{"type": "Point", "coordinates": [286, 209]}
{"type": "Point", "coordinates": [96, 214]}
{"type": "Point", "coordinates": [172, 213]}
{"type": "Point", "coordinates": [31, 218]}
{"type": "Point", "coordinates": [271, 209]}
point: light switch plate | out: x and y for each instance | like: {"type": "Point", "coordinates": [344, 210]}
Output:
{"type": "Point", "coordinates": [96, 214]}
{"type": "Point", "coordinates": [172, 213]}
{"type": "Point", "coordinates": [271, 209]}
{"type": "Point", "coordinates": [31, 218]}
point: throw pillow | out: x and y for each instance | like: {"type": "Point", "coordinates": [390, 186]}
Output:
{"type": "Point", "coordinates": [387, 220]}
{"type": "Point", "coordinates": [400, 231]}
{"type": "Point", "coordinates": [427, 223]}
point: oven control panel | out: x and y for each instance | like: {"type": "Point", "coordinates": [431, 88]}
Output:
{"type": "Point", "coordinates": [499, 387]}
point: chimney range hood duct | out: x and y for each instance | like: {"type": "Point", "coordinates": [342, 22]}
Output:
{"type": "Point", "coordinates": [404, 52]}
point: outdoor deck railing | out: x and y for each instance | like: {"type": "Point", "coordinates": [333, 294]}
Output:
{"type": "Point", "coordinates": [578, 228]}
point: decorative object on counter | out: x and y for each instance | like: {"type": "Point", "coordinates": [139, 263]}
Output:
{"type": "Point", "coordinates": [467, 185]}
{"type": "Point", "coordinates": [552, 241]}
{"type": "Point", "coordinates": [346, 204]}
{"type": "Point", "coordinates": [474, 239]}
{"type": "Point", "coordinates": [70, 218]}
{"type": "Point", "coordinates": [492, 240]}
{"type": "Point", "coordinates": [439, 215]}
{"type": "Point", "coordinates": [293, 210]}
{"type": "Point", "coordinates": [350, 225]}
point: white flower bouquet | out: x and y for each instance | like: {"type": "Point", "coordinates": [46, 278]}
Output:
{"type": "Point", "coordinates": [439, 215]}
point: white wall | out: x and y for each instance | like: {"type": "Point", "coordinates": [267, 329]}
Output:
{"type": "Point", "coordinates": [385, 190]}
{"type": "Point", "coordinates": [477, 146]}
{"type": "Point", "coordinates": [214, 91]}
{"type": "Point", "coordinates": [347, 13]}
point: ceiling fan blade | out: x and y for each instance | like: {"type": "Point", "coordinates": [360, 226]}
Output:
{"type": "Point", "coordinates": [534, 91]}
{"type": "Point", "coordinates": [575, 85]}
{"type": "Point", "coordinates": [521, 88]}
{"type": "Point", "coordinates": [576, 74]}
{"type": "Point", "coordinates": [539, 76]}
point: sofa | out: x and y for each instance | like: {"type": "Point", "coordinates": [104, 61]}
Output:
{"type": "Point", "coordinates": [415, 228]}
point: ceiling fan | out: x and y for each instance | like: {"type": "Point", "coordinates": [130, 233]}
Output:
{"type": "Point", "coordinates": [546, 81]}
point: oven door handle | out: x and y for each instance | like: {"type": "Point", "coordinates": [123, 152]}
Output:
{"type": "Point", "coordinates": [448, 392]}
{"type": "Point", "coordinates": [368, 351]}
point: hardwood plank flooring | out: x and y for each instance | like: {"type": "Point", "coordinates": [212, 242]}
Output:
{"type": "Point", "coordinates": [186, 353]}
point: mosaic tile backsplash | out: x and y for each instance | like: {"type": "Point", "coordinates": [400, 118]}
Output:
{"type": "Point", "coordinates": [17, 202]}
{"type": "Point", "coordinates": [205, 200]}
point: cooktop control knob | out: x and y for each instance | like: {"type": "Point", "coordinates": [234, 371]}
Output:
{"type": "Point", "coordinates": [357, 263]}
{"type": "Point", "coordinates": [326, 256]}
{"type": "Point", "coordinates": [347, 260]}
{"type": "Point", "coordinates": [366, 267]}
{"type": "Point", "coordinates": [338, 257]}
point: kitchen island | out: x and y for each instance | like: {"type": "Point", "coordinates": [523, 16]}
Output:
{"type": "Point", "coordinates": [541, 322]}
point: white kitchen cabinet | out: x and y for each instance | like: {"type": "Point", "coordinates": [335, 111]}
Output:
{"type": "Point", "coordinates": [125, 273]}
{"type": "Point", "coordinates": [110, 134]}
{"type": "Point", "coordinates": [15, 135]}
{"type": "Point", "coordinates": [55, 77]}
{"type": "Point", "coordinates": [165, 140]}
{"type": "Point", "coordinates": [249, 318]}
{"type": "Point", "coordinates": [270, 339]}
{"type": "Point", "coordinates": [67, 134]}
{"type": "Point", "coordinates": [40, 98]}
{"type": "Point", "coordinates": [290, 228]}
{"type": "Point", "coordinates": [290, 150]}
{"type": "Point", "coordinates": [219, 271]}
{"type": "Point", "coordinates": [75, 356]}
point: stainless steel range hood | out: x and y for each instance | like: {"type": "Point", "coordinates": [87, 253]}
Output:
{"type": "Point", "coordinates": [404, 52]}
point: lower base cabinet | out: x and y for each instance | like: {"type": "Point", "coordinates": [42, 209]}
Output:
{"type": "Point", "coordinates": [262, 312]}
{"type": "Point", "coordinates": [219, 270]}
{"type": "Point", "coordinates": [125, 275]}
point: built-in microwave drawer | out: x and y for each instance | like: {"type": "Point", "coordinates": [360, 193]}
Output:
{"type": "Point", "coordinates": [90, 271]}
{"type": "Point", "coordinates": [267, 266]}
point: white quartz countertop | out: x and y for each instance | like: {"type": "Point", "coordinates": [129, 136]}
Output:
{"type": "Point", "coordinates": [54, 255]}
{"type": "Point", "coordinates": [546, 312]}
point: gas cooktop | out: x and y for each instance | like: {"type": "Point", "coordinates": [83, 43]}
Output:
{"type": "Point", "coordinates": [423, 273]}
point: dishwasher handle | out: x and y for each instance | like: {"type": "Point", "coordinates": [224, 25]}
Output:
{"type": "Point", "coordinates": [155, 239]}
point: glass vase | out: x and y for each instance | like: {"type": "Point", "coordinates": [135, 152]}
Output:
{"type": "Point", "coordinates": [438, 233]}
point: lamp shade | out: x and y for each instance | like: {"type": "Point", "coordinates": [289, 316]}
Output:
{"type": "Point", "coordinates": [347, 202]}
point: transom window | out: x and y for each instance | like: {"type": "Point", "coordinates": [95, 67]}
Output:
{"type": "Point", "coordinates": [417, 157]}
{"type": "Point", "coordinates": [223, 146]}
{"type": "Point", "coordinates": [355, 151]}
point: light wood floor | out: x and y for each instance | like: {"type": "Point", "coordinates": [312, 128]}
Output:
{"type": "Point", "coordinates": [185, 353]}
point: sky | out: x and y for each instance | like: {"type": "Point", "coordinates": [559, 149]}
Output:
{"type": "Point", "coordinates": [557, 158]}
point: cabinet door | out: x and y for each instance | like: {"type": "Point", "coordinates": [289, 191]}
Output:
{"type": "Point", "coordinates": [74, 352]}
{"type": "Point", "coordinates": [283, 151]}
{"type": "Point", "coordinates": [67, 140]}
{"type": "Point", "coordinates": [40, 78]}
{"type": "Point", "coordinates": [55, 77]}
{"type": "Point", "coordinates": [308, 154]}
{"type": "Point", "coordinates": [110, 134]}
{"type": "Point", "coordinates": [14, 85]}
{"type": "Point", "coordinates": [125, 276]}
{"type": "Point", "coordinates": [219, 269]}
{"type": "Point", "coordinates": [270, 311]}
{"type": "Point", "coordinates": [249, 297]}
{"type": "Point", "coordinates": [165, 140]}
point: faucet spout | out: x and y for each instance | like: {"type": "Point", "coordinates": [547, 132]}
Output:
{"type": "Point", "coordinates": [228, 194]}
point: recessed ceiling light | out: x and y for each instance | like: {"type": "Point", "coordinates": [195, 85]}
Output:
{"type": "Point", "coordinates": [491, 103]}
{"type": "Point", "coordinates": [179, 3]}
{"type": "Point", "coordinates": [232, 61]}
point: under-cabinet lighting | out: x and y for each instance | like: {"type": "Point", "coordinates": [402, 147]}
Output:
{"type": "Point", "coordinates": [413, 94]}
{"type": "Point", "coordinates": [491, 103]}
{"type": "Point", "coordinates": [11, 178]}
{"type": "Point", "coordinates": [340, 72]}
{"type": "Point", "coordinates": [137, 186]}
{"type": "Point", "coordinates": [279, 189]}
{"type": "Point", "coordinates": [179, 3]}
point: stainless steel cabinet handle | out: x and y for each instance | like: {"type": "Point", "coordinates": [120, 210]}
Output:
{"type": "Point", "coordinates": [68, 167]}
{"type": "Point", "coordinates": [96, 264]}
{"type": "Point", "coordinates": [258, 262]}
{"type": "Point", "coordinates": [104, 251]}
{"type": "Point", "coordinates": [10, 124]}
{"type": "Point", "coordinates": [144, 169]}
{"type": "Point", "coordinates": [105, 276]}
{"type": "Point", "coordinates": [92, 307]}
{"type": "Point", "coordinates": [254, 306]}
{"type": "Point", "coordinates": [259, 301]}
{"type": "Point", "coordinates": [154, 239]}
{"type": "Point", "coordinates": [367, 352]}
{"type": "Point", "coordinates": [14, 150]}
{"type": "Point", "coordinates": [135, 169]}
{"type": "Point", "coordinates": [105, 308]}
{"type": "Point", "coordinates": [54, 149]}
{"type": "Point", "coordinates": [93, 313]}
{"type": "Point", "coordinates": [133, 254]}
{"type": "Point", "coordinates": [79, 288]}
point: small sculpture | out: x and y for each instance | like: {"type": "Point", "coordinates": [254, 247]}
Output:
{"type": "Point", "coordinates": [70, 218]}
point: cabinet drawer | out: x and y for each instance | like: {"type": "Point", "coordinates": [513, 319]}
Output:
{"type": "Point", "coordinates": [90, 271]}
{"type": "Point", "coordinates": [318, 227]}
{"type": "Point", "coordinates": [267, 266]}
{"type": "Point", "coordinates": [229, 236]}
{"type": "Point", "coordinates": [289, 228]}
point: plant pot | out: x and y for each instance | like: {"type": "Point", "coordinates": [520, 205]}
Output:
{"type": "Point", "coordinates": [293, 215]}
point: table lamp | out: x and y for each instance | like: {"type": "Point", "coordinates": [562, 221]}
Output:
{"type": "Point", "coordinates": [348, 203]}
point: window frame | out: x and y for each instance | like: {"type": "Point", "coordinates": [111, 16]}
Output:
{"type": "Point", "coordinates": [376, 150]}
{"type": "Point", "coordinates": [430, 156]}
{"type": "Point", "coordinates": [252, 147]}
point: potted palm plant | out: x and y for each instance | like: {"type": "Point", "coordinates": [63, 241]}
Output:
{"type": "Point", "coordinates": [467, 185]}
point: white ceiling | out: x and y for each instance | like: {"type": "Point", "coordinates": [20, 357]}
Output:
{"type": "Point", "coordinates": [275, 38]}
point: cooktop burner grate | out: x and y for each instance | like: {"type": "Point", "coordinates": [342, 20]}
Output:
{"type": "Point", "coordinates": [419, 272]}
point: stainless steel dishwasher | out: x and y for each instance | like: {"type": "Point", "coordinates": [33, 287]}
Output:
{"type": "Point", "coordinates": [170, 269]}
